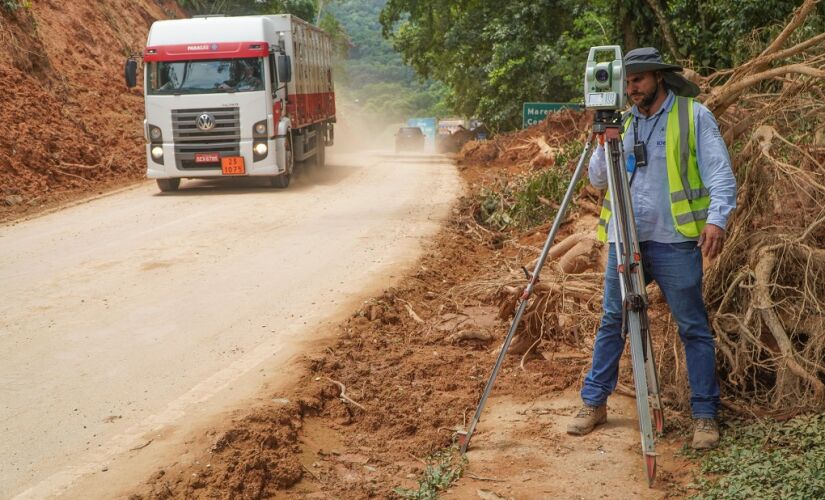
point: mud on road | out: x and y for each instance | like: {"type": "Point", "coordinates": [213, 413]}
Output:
{"type": "Point", "coordinates": [132, 318]}
{"type": "Point", "coordinates": [400, 376]}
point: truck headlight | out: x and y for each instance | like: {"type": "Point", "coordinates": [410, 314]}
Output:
{"type": "Point", "coordinates": [260, 128]}
{"type": "Point", "coordinates": [261, 149]}
{"type": "Point", "coordinates": [155, 134]}
{"type": "Point", "coordinates": [157, 152]}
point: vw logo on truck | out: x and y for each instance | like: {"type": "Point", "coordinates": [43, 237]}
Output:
{"type": "Point", "coordinates": [205, 122]}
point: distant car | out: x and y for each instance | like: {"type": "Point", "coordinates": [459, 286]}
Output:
{"type": "Point", "coordinates": [409, 139]}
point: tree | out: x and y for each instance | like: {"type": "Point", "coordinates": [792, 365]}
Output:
{"type": "Point", "coordinates": [305, 9]}
{"type": "Point", "coordinates": [493, 57]}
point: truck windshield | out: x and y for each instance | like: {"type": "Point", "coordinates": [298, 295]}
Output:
{"type": "Point", "coordinates": [206, 77]}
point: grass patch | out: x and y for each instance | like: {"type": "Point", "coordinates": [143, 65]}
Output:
{"type": "Point", "coordinates": [765, 460]}
{"type": "Point", "coordinates": [13, 5]}
{"type": "Point", "coordinates": [529, 200]}
{"type": "Point", "coordinates": [444, 468]}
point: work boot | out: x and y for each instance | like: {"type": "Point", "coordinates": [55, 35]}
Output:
{"type": "Point", "coordinates": [587, 419]}
{"type": "Point", "coordinates": [705, 434]}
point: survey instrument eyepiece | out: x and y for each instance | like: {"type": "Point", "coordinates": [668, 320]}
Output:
{"type": "Point", "coordinates": [604, 78]}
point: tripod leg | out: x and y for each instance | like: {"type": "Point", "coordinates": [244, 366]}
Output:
{"type": "Point", "coordinates": [642, 402]}
{"type": "Point", "coordinates": [633, 293]}
{"type": "Point", "coordinates": [465, 437]}
{"type": "Point", "coordinates": [653, 388]}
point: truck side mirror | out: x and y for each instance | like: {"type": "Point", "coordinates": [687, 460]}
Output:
{"type": "Point", "coordinates": [130, 72]}
{"type": "Point", "coordinates": [284, 68]}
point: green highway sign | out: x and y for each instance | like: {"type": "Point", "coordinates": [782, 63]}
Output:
{"type": "Point", "coordinates": [534, 112]}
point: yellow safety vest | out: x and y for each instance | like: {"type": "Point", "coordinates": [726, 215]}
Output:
{"type": "Point", "coordinates": [689, 200]}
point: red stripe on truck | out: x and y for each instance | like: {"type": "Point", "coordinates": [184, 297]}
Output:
{"type": "Point", "coordinates": [201, 51]}
{"type": "Point", "coordinates": [306, 109]}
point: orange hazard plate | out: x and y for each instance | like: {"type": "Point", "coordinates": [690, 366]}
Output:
{"type": "Point", "coordinates": [232, 165]}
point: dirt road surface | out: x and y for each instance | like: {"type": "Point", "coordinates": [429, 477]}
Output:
{"type": "Point", "coordinates": [607, 463]}
{"type": "Point", "coordinates": [124, 318]}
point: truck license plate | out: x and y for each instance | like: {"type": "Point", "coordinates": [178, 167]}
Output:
{"type": "Point", "coordinates": [207, 157]}
{"type": "Point", "coordinates": [232, 165]}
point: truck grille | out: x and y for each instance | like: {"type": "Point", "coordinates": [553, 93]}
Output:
{"type": "Point", "coordinates": [224, 138]}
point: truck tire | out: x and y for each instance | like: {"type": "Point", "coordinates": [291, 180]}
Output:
{"type": "Point", "coordinates": [321, 155]}
{"type": "Point", "coordinates": [168, 185]}
{"type": "Point", "coordinates": [280, 181]}
{"type": "Point", "coordinates": [321, 148]}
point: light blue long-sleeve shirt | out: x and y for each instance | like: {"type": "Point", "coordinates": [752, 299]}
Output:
{"type": "Point", "coordinates": [650, 191]}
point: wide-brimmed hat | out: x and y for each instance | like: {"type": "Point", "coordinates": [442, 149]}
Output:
{"type": "Point", "coordinates": [648, 59]}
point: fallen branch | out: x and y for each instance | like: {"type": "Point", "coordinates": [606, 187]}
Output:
{"type": "Point", "coordinates": [481, 478]}
{"type": "Point", "coordinates": [797, 20]}
{"type": "Point", "coordinates": [142, 446]}
{"type": "Point", "coordinates": [343, 396]}
{"type": "Point", "coordinates": [764, 60]}
{"type": "Point", "coordinates": [527, 352]}
{"type": "Point", "coordinates": [57, 170]}
{"type": "Point", "coordinates": [720, 100]}
{"type": "Point", "coordinates": [79, 165]}
{"type": "Point", "coordinates": [311, 473]}
{"type": "Point", "coordinates": [412, 312]}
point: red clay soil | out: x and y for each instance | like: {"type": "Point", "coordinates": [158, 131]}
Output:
{"type": "Point", "coordinates": [392, 388]}
{"type": "Point", "coordinates": [73, 128]}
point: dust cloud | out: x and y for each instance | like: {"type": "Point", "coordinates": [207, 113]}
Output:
{"type": "Point", "coordinates": [358, 130]}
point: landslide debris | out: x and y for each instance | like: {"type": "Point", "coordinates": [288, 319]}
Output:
{"type": "Point", "coordinates": [73, 129]}
{"type": "Point", "coordinates": [409, 364]}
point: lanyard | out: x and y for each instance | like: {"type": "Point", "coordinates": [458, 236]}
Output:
{"type": "Point", "coordinates": [636, 127]}
{"type": "Point", "coordinates": [643, 144]}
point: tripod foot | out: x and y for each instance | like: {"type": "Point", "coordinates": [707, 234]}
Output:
{"type": "Point", "coordinates": [463, 440]}
{"type": "Point", "coordinates": [659, 420]}
{"type": "Point", "coordinates": [651, 469]}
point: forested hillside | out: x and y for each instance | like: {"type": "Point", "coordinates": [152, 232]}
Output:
{"type": "Point", "coordinates": [374, 74]}
{"type": "Point", "coordinates": [493, 56]}
{"type": "Point", "coordinates": [371, 79]}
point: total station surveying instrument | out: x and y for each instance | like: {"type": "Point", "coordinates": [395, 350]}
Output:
{"type": "Point", "coordinates": [604, 92]}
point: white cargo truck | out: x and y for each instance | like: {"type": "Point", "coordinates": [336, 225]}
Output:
{"type": "Point", "coordinates": [235, 96]}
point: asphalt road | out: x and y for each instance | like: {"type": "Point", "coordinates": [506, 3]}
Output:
{"type": "Point", "coordinates": [128, 314]}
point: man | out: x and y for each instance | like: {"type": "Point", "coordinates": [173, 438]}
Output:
{"type": "Point", "coordinates": [248, 80]}
{"type": "Point", "coordinates": [682, 198]}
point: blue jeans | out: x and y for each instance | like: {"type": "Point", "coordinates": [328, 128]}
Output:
{"type": "Point", "coordinates": [677, 269]}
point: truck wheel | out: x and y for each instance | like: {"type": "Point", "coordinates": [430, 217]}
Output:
{"type": "Point", "coordinates": [321, 149]}
{"type": "Point", "coordinates": [320, 155]}
{"type": "Point", "coordinates": [167, 185]}
{"type": "Point", "coordinates": [280, 181]}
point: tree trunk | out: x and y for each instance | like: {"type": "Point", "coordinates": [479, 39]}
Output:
{"type": "Point", "coordinates": [626, 27]}
{"type": "Point", "coordinates": [664, 25]}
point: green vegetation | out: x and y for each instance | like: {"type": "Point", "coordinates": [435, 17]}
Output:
{"type": "Point", "coordinates": [370, 75]}
{"type": "Point", "coordinates": [374, 78]}
{"type": "Point", "coordinates": [492, 56]}
{"type": "Point", "coordinates": [765, 460]}
{"type": "Point", "coordinates": [305, 9]}
{"type": "Point", "coordinates": [523, 202]}
{"type": "Point", "coordinates": [445, 467]}
{"type": "Point", "coordinates": [529, 200]}
{"type": "Point", "coordinates": [13, 5]}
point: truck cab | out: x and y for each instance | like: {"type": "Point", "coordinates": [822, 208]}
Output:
{"type": "Point", "coordinates": [220, 98]}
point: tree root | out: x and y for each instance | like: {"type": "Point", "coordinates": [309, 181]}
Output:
{"type": "Point", "coordinates": [763, 302]}
{"type": "Point", "coordinates": [343, 396]}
